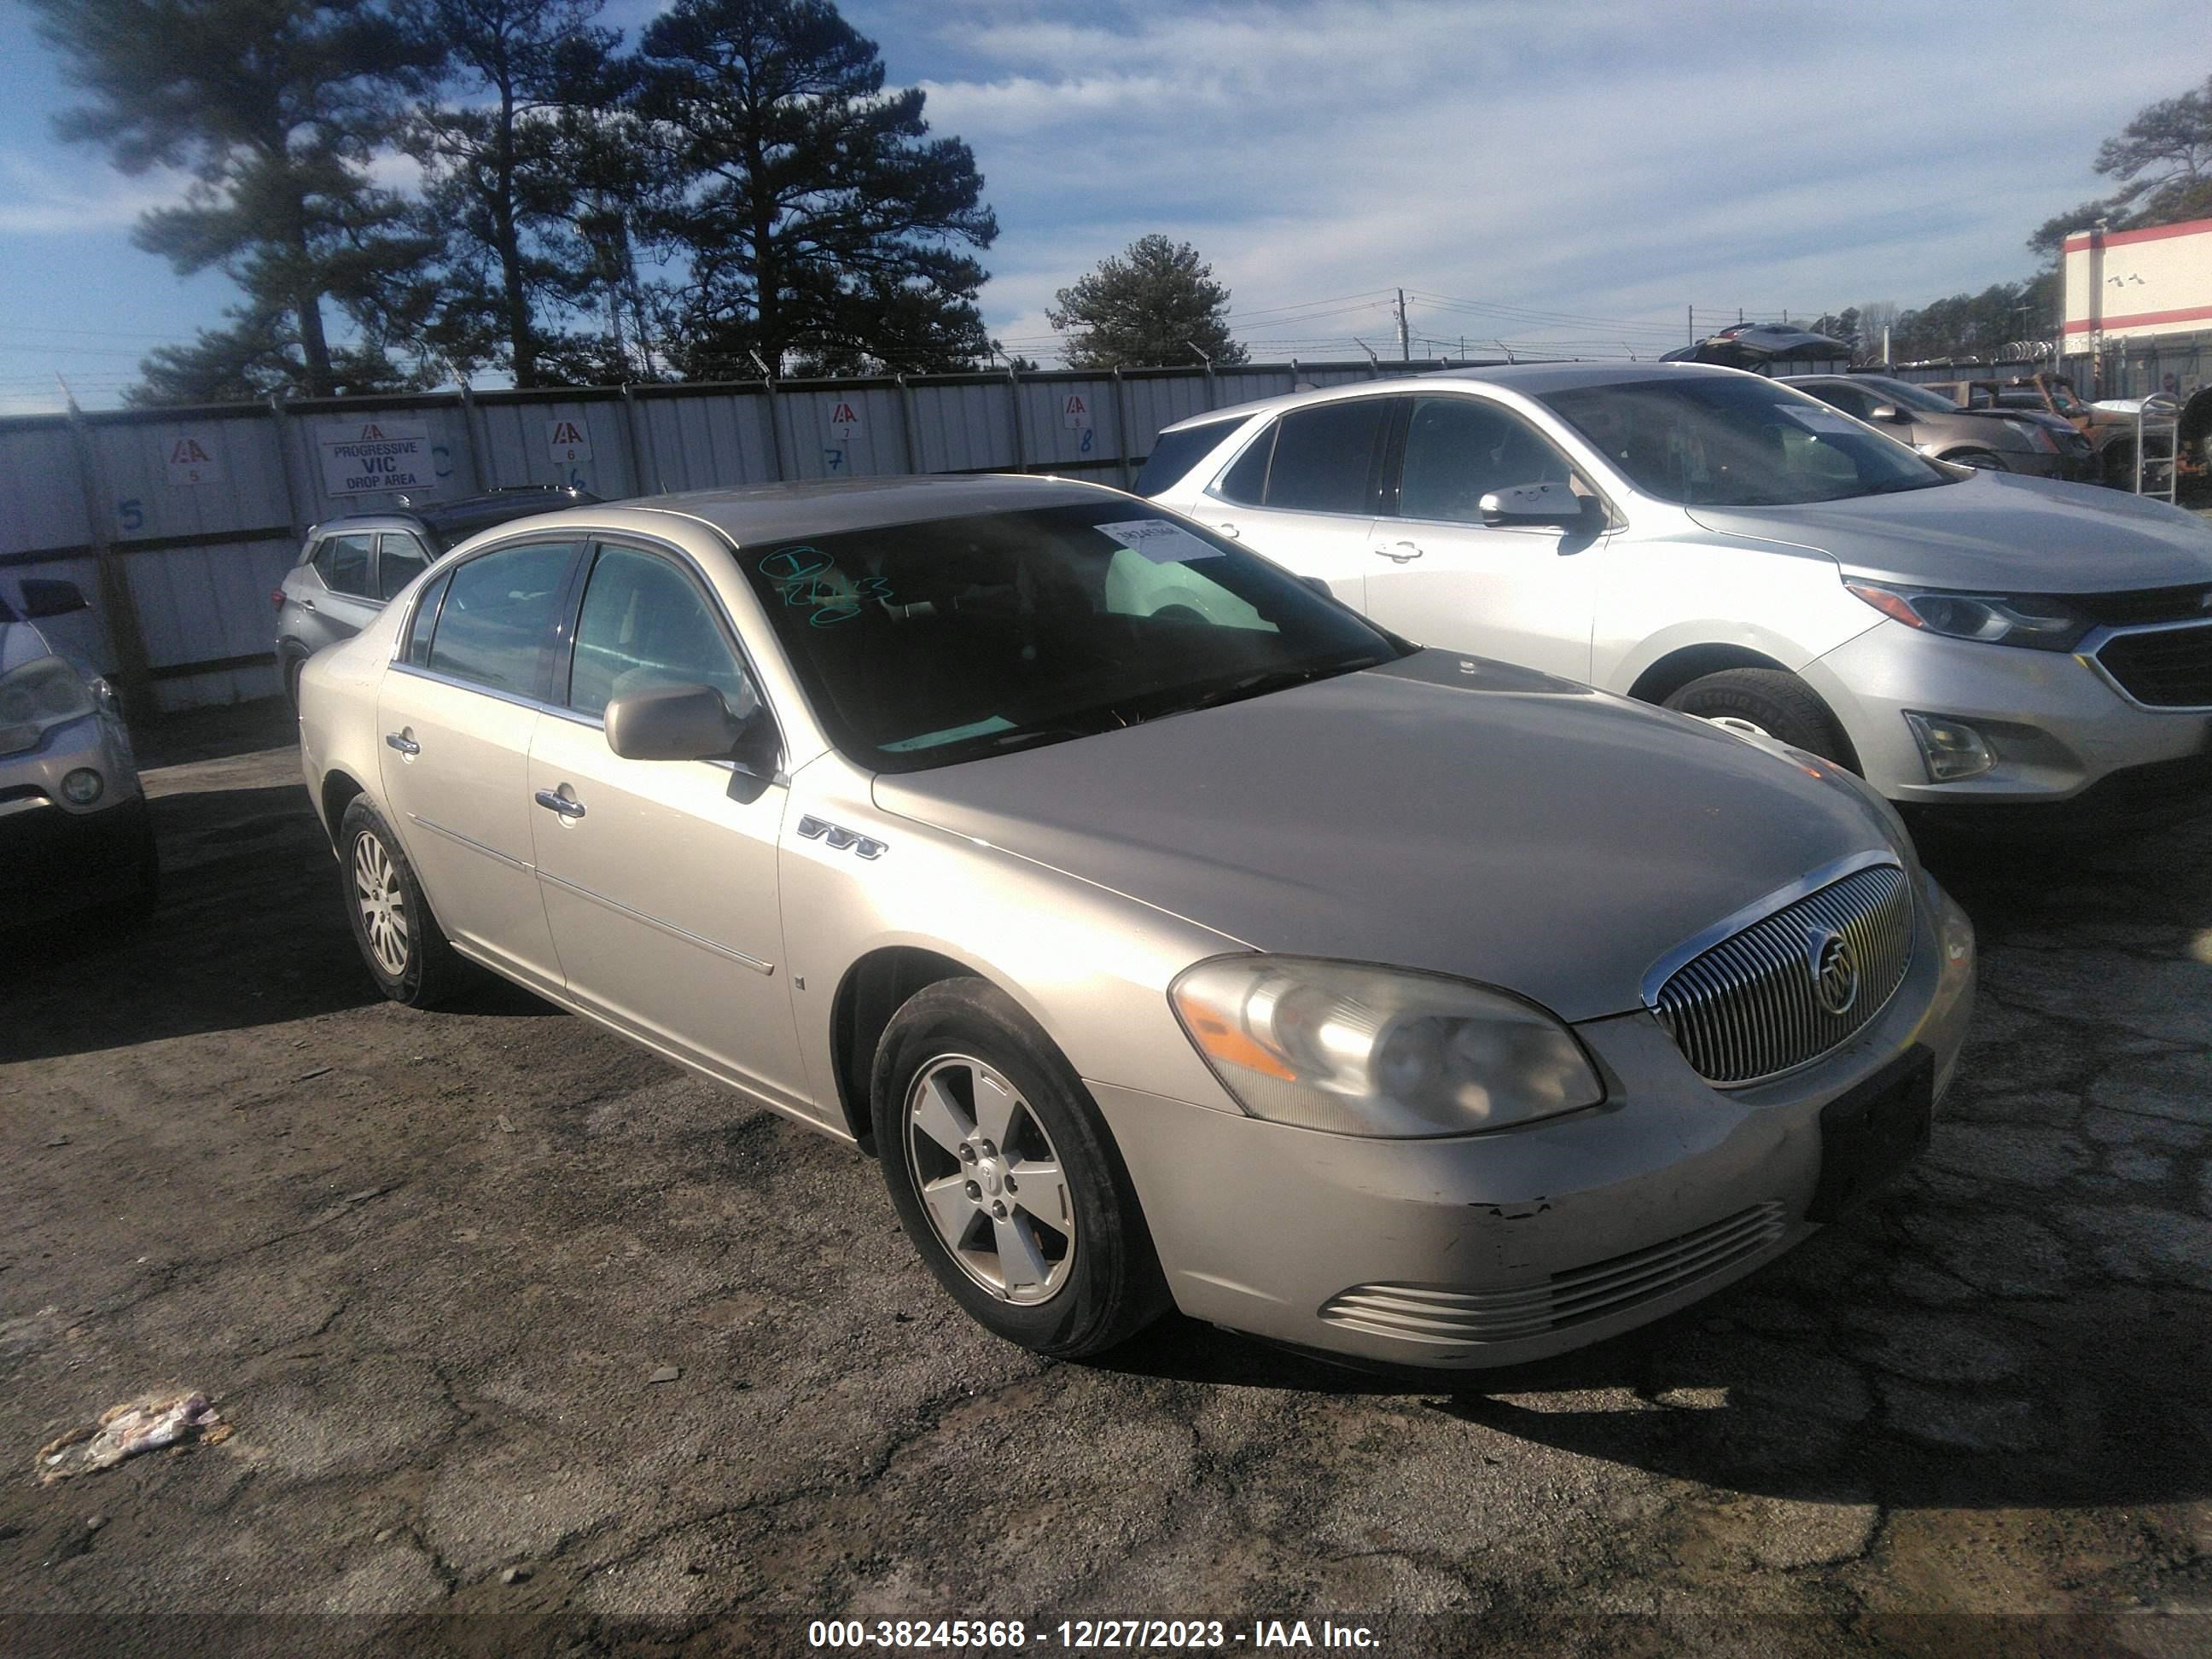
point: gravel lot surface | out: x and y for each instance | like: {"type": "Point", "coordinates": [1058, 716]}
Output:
{"type": "Point", "coordinates": [430, 1267]}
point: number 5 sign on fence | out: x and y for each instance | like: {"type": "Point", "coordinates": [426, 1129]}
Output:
{"type": "Point", "coordinates": [191, 460]}
{"type": "Point", "coordinates": [569, 441]}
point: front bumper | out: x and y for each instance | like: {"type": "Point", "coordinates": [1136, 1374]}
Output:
{"type": "Point", "coordinates": [1578, 1228]}
{"type": "Point", "coordinates": [2058, 725]}
{"type": "Point", "coordinates": [56, 858]}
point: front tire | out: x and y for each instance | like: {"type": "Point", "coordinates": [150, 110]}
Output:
{"type": "Point", "coordinates": [1004, 1177]}
{"type": "Point", "coordinates": [399, 940]}
{"type": "Point", "coordinates": [1772, 702]}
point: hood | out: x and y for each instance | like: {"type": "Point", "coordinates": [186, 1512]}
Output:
{"type": "Point", "coordinates": [1441, 812]}
{"type": "Point", "coordinates": [1993, 532]}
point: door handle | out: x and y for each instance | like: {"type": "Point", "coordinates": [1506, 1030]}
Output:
{"type": "Point", "coordinates": [403, 743]}
{"type": "Point", "coordinates": [1229, 531]}
{"type": "Point", "coordinates": [307, 604]}
{"type": "Point", "coordinates": [1400, 552]}
{"type": "Point", "coordinates": [557, 803]}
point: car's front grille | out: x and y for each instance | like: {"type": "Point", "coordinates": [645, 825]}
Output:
{"type": "Point", "coordinates": [2166, 667]}
{"type": "Point", "coordinates": [1789, 987]}
{"type": "Point", "coordinates": [1422, 1313]}
{"type": "Point", "coordinates": [2133, 605]}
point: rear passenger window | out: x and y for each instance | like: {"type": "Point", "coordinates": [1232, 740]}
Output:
{"type": "Point", "coordinates": [1246, 482]}
{"type": "Point", "coordinates": [342, 563]}
{"type": "Point", "coordinates": [399, 560]}
{"type": "Point", "coordinates": [495, 626]}
{"type": "Point", "coordinates": [1175, 453]}
{"type": "Point", "coordinates": [1324, 456]}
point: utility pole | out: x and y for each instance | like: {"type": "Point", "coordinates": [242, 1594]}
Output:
{"type": "Point", "coordinates": [1405, 339]}
{"type": "Point", "coordinates": [1693, 340]}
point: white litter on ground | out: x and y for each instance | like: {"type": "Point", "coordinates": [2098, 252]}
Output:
{"type": "Point", "coordinates": [125, 1430]}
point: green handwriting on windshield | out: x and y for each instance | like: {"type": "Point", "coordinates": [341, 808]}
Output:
{"type": "Point", "coordinates": [807, 578]}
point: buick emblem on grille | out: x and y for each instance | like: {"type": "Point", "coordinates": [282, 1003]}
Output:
{"type": "Point", "coordinates": [1835, 970]}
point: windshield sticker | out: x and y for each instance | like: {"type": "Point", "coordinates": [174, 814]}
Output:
{"type": "Point", "coordinates": [1821, 420]}
{"type": "Point", "coordinates": [1159, 541]}
{"type": "Point", "coordinates": [953, 734]}
{"type": "Point", "coordinates": [809, 579]}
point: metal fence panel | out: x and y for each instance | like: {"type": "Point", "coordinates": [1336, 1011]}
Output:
{"type": "Point", "coordinates": [709, 438]}
{"type": "Point", "coordinates": [41, 499]}
{"type": "Point", "coordinates": [580, 441]}
{"type": "Point", "coordinates": [964, 426]}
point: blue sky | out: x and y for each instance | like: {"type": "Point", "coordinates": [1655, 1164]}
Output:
{"type": "Point", "coordinates": [1561, 175]}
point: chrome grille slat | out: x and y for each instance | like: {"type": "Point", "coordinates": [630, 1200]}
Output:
{"type": "Point", "coordinates": [1426, 1313]}
{"type": "Point", "coordinates": [1745, 1007]}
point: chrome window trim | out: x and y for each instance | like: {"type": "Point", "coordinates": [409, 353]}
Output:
{"type": "Point", "coordinates": [2093, 643]}
{"type": "Point", "coordinates": [1759, 910]}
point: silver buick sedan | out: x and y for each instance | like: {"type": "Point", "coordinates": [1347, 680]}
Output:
{"type": "Point", "coordinates": [1170, 934]}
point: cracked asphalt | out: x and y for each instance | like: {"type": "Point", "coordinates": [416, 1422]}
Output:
{"type": "Point", "coordinates": [428, 1265]}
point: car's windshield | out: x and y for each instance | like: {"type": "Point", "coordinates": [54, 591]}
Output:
{"type": "Point", "coordinates": [923, 644]}
{"type": "Point", "coordinates": [1737, 440]}
{"type": "Point", "coordinates": [1906, 395]}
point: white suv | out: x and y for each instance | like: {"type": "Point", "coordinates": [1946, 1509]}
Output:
{"type": "Point", "coordinates": [1705, 538]}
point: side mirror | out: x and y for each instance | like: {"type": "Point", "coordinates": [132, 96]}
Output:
{"type": "Point", "coordinates": [673, 722]}
{"type": "Point", "coordinates": [1890, 413]}
{"type": "Point", "coordinates": [1320, 585]}
{"type": "Point", "coordinates": [45, 596]}
{"type": "Point", "coordinates": [1534, 504]}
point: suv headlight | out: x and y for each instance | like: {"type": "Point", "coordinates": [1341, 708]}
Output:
{"type": "Point", "coordinates": [2036, 620]}
{"type": "Point", "coordinates": [37, 698]}
{"type": "Point", "coordinates": [1357, 1050]}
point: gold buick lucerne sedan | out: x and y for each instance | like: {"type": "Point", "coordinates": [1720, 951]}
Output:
{"type": "Point", "coordinates": [1171, 934]}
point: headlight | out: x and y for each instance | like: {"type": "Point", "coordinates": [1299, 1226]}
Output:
{"type": "Point", "coordinates": [37, 698]}
{"type": "Point", "coordinates": [2036, 620]}
{"type": "Point", "coordinates": [1356, 1050]}
{"type": "Point", "coordinates": [2035, 435]}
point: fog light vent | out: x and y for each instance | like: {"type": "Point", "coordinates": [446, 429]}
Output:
{"type": "Point", "coordinates": [1950, 749]}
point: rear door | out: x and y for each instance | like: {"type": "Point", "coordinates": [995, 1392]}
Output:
{"type": "Point", "coordinates": [456, 711]}
{"type": "Point", "coordinates": [660, 876]}
{"type": "Point", "coordinates": [337, 589]}
{"type": "Point", "coordinates": [400, 558]}
{"type": "Point", "coordinates": [1439, 576]}
{"type": "Point", "coordinates": [1303, 492]}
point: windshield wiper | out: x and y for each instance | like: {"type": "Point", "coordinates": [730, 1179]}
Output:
{"type": "Point", "coordinates": [1269, 680]}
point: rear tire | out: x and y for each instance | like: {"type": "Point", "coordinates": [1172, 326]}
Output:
{"type": "Point", "coordinates": [1778, 704]}
{"type": "Point", "coordinates": [406, 955]}
{"type": "Point", "coordinates": [969, 1094]}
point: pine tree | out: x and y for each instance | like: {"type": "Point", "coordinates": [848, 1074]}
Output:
{"type": "Point", "coordinates": [1150, 307]}
{"type": "Point", "coordinates": [819, 221]}
{"type": "Point", "coordinates": [277, 107]}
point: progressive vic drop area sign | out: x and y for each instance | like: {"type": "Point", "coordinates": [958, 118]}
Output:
{"type": "Point", "coordinates": [362, 456]}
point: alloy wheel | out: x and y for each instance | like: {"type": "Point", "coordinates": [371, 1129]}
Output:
{"type": "Point", "coordinates": [383, 908]}
{"type": "Point", "coordinates": [989, 1180]}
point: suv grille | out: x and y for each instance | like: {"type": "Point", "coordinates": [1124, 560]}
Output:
{"type": "Point", "coordinates": [2171, 668]}
{"type": "Point", "coordinates": [1751, 1006]}
{"type": "Point", "coordinates": [2141, 605]}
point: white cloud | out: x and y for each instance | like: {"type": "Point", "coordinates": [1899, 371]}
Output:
{"type": "Point", "coordinates": [1612, 159]}
{"type": "Point", "coordinates": [66, 198]}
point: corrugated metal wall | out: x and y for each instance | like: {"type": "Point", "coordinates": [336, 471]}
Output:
{"type": "Point", "coordinates": [191, 516]}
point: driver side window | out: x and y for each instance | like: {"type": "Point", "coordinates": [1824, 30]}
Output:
{"type": "Point", "coordinates": [1460, 449]}
{"type": "Point", "coordinates": [645, 623]}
